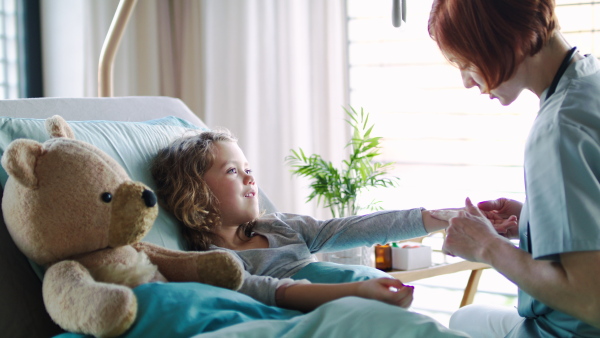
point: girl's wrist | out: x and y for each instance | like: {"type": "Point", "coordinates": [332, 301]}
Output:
{"type": "Point", "coordinates": [430, 223]}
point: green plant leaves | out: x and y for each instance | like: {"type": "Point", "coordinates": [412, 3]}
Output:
{"type": "Point", "coordinates": [338, 189]}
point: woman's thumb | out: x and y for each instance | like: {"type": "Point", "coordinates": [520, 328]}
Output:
{"type": "Point", "coordinates": [471, 209]}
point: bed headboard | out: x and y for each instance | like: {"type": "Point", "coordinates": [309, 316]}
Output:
{"type": "Point", "coordinates": [139, 108]}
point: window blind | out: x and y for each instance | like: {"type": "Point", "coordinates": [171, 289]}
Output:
{"type": "Point", "coordinates": [447, 142]}
{"type": "Point", "coordinates": [9, 68]}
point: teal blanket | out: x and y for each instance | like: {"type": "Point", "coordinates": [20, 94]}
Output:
{"type": "Point", "coordinates": [200, 310]}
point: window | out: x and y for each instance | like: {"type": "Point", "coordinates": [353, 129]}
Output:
{"type": "Point", "coordinates": [9, 68]}
{"type": "Point", "coordinates": [20, 49]}
{"type": "Point", "coordinates": [447, 142]}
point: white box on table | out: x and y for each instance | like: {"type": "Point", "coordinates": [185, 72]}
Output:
{"type": "Point", "coordinates": [410, 256]}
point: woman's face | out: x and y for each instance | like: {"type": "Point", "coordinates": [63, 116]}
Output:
{"type": "Point", "coordinates": [506, 93]}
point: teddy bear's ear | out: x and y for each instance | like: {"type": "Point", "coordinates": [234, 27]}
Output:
{"type": "Point", "coordinates": [19, 161]}
{"type": "Point", "coordinates": [58, 127]}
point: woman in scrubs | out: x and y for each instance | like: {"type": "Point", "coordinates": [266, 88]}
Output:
{"type": "Point", "coordinates": [503, 47]}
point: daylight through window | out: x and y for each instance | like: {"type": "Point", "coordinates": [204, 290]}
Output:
{"type": "Point", "coordinates": [447, 142]}
{"type": "Point", "coordinates": [8, 50]}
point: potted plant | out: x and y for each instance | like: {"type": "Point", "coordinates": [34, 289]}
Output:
{"type": "Point", "coordinates": [338, 188]}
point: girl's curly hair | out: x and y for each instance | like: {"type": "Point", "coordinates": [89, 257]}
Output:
{"type": "Point", "coordinates": [179, 172]}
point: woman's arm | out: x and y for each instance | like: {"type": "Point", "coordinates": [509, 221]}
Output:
{"type": "Point", "coordinates": [569, 286]}
{"type": "Point", "coordinates": [307, 297]}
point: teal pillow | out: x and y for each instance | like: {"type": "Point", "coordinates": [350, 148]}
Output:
{"type": "Point", "coordinates": [131, 144]}
{"type": "Point", "coordinates": [331, 273]}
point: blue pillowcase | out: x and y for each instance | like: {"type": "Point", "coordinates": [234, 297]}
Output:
{"type": "Point", "coordinates": [327, 272]}
{"type": "Point", "coordinates": [132, 144]}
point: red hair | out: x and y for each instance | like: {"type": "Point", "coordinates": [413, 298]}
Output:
{"type": "Point", "coordinates": [491, 36]}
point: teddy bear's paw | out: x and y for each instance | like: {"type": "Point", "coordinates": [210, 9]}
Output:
{"type": "Point", "coordinates": [221, 269]}
{"type": "Point", "coordinates": [78, 303]}
{"type": "Point", "coordinates": [110, 315]}
{"type": "Point", "coordinates": [121, 317]}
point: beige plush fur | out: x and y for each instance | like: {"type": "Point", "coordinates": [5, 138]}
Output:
{"type": "Point", "coordinates": [56, 209]}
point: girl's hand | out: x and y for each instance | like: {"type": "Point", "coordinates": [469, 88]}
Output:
{"type": "Point", "coordinates": [387, 290]}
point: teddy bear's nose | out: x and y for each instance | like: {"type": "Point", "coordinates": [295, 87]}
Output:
{"type": "Point", "coordinates": [149, 198]}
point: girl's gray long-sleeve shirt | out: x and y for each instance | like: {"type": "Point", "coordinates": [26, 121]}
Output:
{"type": "Point", "coordinates": [293, 239]}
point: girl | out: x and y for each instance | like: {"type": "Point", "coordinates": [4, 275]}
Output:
{"type": "Point", "coordinates": [206, 182]}
{"type": "Point", "coordinates": [503, 47]}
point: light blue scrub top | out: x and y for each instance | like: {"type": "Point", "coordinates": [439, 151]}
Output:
{"type": "Point", "coordinates": [562, 181]}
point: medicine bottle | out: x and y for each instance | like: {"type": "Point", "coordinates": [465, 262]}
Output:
{"type": "Point", "coordinates": [383, 257]}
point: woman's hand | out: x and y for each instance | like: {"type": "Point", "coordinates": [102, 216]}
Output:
{"type": "Point", "coordinates": [566, 284]}
{"type": "Point", "coordinates": [503, 213]}
{"type": "Point", "coordinates": [507, 226]}
{"type": "Point", "coordinates": [469, 234]}
{"type": "Point", "coordinates": [502, 207]}
{"type": "Point", "coordinates": [387, 290]}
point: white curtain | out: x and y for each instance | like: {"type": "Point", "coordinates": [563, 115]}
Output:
{"type": "Point", "coordinates": [274, 72]}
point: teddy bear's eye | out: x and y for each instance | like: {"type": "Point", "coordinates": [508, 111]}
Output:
{"type": "Point", "coordinates": [106, 197]}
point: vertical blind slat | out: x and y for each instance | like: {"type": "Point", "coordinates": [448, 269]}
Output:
{"type": "Point", "coordinates": [8, 50]}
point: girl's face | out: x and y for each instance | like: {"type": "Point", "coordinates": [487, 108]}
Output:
{"type": "Point", "coordinates": [506, 93]}
{"type": "Point", "coordinates": [230, 180]}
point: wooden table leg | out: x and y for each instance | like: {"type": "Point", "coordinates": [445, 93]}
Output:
{"type": "Point", "coordinates": [471, 288]}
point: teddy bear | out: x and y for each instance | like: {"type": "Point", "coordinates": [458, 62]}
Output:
{"type": "Point", "coordinates": [73, 209]}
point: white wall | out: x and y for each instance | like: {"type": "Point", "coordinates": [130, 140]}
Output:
{"type": "Point", "coordinates": [63, 47]}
